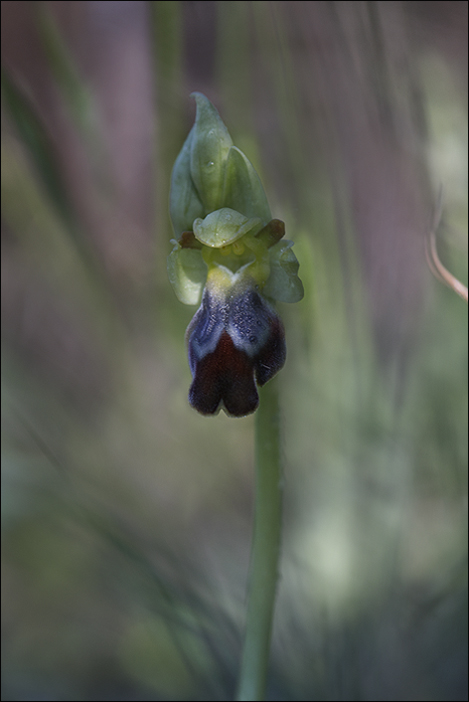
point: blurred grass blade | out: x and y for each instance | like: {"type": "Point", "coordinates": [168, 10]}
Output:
{"type": "Point", "coordinates": [41, 151]}
{"type": "Point", "coordinates": [166, 24]}
{"type": "Point", "coordinates": [73, 90]}
{"type": "Point", "coordinates": [39, 146]}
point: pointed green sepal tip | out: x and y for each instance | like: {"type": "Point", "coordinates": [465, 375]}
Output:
{"type": "Point", "coordinates": [209, 151]}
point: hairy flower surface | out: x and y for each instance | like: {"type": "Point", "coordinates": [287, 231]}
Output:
{"type": "Point", "coordinates": [231, 257]}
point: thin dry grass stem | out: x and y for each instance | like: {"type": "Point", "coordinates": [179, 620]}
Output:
{"type": "Point", "coordinates": [433, 260]}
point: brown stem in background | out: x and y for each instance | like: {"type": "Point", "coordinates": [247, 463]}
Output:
{"type": "Point", "coordinates": [434, 263]}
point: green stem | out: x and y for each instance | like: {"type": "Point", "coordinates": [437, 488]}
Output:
{"type": "Point", "coordinates": [265, 548]}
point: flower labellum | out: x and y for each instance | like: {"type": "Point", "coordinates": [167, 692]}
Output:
{"type": "Point", "coordinates": [230, 256]}
{"type": "Point", "coordinates": [235, 340]}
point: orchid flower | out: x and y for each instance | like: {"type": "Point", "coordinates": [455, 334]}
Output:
{"type": "Point", "coordinates": [230, 257]}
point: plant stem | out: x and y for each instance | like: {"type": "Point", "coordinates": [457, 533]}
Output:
{"type": "Point", "coordinates": [265, 548]}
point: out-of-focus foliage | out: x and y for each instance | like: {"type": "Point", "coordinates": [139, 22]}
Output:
{"type": "Point", "coordinates": [126, 516]}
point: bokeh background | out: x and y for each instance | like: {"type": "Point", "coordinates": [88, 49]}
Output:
{"type": "Point", "coordinates": [127, 516]}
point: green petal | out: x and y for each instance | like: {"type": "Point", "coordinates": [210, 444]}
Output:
{"type": "Point", "coordinates": [283, 283]}
{"type": "Point", "coordinates": [187, 273]}
{"type": "Point", "coordinates": [184, 202]}
{"type": "Point", "coordinates": [224, 226]}
{"type": "Point", "coordinates": [243, 188]}
{"type": "Point", "coordinates": [209, 151]}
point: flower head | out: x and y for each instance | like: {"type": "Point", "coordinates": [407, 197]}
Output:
{"type": "Point", "coordinates": [231, 256]}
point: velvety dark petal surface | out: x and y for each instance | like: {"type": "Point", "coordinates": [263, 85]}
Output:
{"type": "Point", "coordinates": [225, 376]}
{"type": "Point", "coordinates": [273, 353]}
{"type": "Point", "coordinates": [233, 341]}
{"type": "Point", "coordinates": [255, 327]}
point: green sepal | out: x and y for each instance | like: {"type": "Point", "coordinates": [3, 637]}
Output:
{"type": "Point", "coordinates": [187, 272]}
{"type": "Point", "coordinates": [224, 226]}
{"type": "Point", "coordinates": [243, 188]}
{"type": "Point", "coordinates": [209, 150]}
{"type": "Point", "coordinates": [283, 283]}
{"type": "Point", "coordinates": [184, 202]}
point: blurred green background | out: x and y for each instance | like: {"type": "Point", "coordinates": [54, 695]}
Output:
{"type": "Point", "coordinates": [127, 516]}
